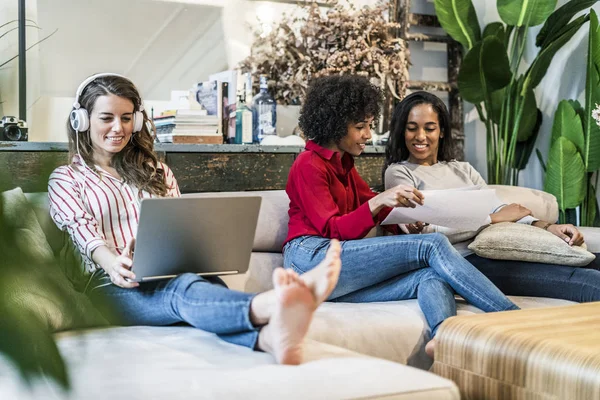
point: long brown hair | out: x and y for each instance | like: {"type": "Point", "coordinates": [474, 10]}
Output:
{"type": "Point", "coordinates": [137, 164]}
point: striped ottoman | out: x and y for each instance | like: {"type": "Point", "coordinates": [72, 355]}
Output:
{"type": "Point", "coordinates": [549, 353]}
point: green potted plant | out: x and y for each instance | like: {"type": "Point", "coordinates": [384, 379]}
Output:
{"type": "Point", "coordinates": [574, 159]}
{"type": "Point", "coordinates": [493, 79]}
{"type": "Point", "coordinates": [37, 293]}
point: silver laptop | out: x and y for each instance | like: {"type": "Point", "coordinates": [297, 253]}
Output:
{"type": "Point", "coordinates": [203, 235]}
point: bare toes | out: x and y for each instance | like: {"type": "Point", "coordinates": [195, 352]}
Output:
{"type": "Point", "coordinates": [280, 277]}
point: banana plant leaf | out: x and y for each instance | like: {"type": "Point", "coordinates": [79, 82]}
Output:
{"type": "Point", "coordinates": [495, 29]}
{"type": "Point", "coordinates": [459, 20]}
{"type": "Point", "coordinates": [591, 208]}
{"type": "Point", "coordinates": [559, 19]}
{"type": "Point", "coordinates": [497, 99]}
{"type": "Point", "coordinates": [525, 12]}
{"type": "Point", "coordinates": [538, 153]}
{"type": "Point", "coordinates": [529, 118]}
{"type": "Point", "coordinates": [523, 149]}
{"type": "Point", "coordinates": [591, 153]}
{"type": "Point", "coordinates": [540, 65]}
{"type": "Point", "coordinates": [565, 174]}
{"type": "Point", "coordinates": [569, 216]}
{"type": "Point", "coordinates": [568, 123]}
{"type": "Point", "coordinates": [577, 107]}
{"type": "Point", "coordinates": [484, 70]}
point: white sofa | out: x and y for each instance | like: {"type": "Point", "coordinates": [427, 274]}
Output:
{"type": "Point", "coordinates": [349, 349]}
{"type": "Point", "coordinates": [396, 331]}
{"type": "Point", "coordinates": [180, 362]}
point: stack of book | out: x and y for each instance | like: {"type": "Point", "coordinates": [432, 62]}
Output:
{"type": "Point", "coordinates": [188, 126]}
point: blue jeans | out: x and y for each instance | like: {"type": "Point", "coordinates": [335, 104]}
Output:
{"type": "Point", "coordinates": [520, 278]}
{"type": "Point", "coordinates": [387, 268]}
{"type": "Point", "coordinates": [188, 299]}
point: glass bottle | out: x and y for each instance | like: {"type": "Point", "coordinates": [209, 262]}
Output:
{"type": "Point", "coordinates": [243, 115]}
{"type": "Point", "coordinates": [264, 113]}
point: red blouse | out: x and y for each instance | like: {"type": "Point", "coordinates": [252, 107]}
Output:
{"type": "Point", "coordinates": [328, 197]}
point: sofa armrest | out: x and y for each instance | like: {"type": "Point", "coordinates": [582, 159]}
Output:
{"type": "Point", "coordinates": [542, 205]}
{"type": "Point", "coordinates": [592, 238]}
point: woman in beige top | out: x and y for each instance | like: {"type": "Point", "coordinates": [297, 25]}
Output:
{"type": "Point", "coordinates": [419, 154]}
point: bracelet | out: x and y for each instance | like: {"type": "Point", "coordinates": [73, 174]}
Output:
{"type": "Point", "coordinates": [545, 227]}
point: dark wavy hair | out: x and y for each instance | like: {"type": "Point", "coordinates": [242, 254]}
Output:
{"type": "Point", "coordinates": [396, 150]}
{"type": "Point", "coordinates": [137, 163]}
{"type": "Point", "coordinates": [332, 102]}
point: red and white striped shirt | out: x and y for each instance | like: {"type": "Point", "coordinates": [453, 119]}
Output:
{"type": "Point", "coordinates": [102, 211]}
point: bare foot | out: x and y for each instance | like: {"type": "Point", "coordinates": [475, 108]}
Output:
{"type": "Point", "coordinates": [430, 348]}
{"type": "Point", "coordinates": [323, 278]}
{"type": "Point", "coordinates": [283, 336]}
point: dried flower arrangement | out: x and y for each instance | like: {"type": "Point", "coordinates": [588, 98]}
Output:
{"type": "Point", "coordinates": [345, 40]}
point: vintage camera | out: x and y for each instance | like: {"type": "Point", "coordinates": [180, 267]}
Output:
{"type": "Point", "coordinates": [13, 129]}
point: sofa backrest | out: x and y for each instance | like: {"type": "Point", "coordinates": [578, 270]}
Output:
{"type": "Point", "coordinates": [55, 237]}
{"type": "Point", "coordinates": [273, 218]}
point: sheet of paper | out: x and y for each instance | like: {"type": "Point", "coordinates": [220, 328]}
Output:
{"type": "Point", "coordinates": [453, 208]}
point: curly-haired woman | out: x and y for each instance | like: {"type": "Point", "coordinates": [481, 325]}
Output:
{"type": "Point", "coordinates": [96, 199]}
{"type": "Point", "coordinates": [329, 200]}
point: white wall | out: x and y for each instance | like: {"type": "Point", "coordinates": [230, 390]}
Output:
{"type": "Point", "coordinates": [9, 78]}
{"type": "Point", "coordinates": [174, 45]}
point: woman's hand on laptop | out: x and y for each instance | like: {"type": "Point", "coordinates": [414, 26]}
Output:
{"type": "Point", "coordinates": [118, 267]}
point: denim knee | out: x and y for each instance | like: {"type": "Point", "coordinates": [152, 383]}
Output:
{"type": "Point", "coordinates": [437, 240]}
{"type": "Point", "coordinates": [183, 281]}
{"type": "Point", "coordinates": [429, 274]}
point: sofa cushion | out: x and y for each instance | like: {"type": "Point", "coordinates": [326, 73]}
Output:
{"type": "Point", "coordinates": [542, 205]}
{"type": "Point", "coordinates": [520, 242]}
{"type": "Point", "coordinates": [184, 363]}
{"type": "Point", "coordinates": [30, 237]}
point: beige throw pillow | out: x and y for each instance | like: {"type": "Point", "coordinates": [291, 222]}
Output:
{"type": "Point", "coordinates": [521, 242]}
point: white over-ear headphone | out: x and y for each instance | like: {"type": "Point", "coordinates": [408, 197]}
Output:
{"type": "Point", "coordinates": [80, 119]}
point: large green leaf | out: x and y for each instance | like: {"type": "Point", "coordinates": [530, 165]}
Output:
{"type": "Point", "coordinates": [568, 123]}
{"type": "Point", "coordinates": [25, 340]}
{"type": "Point", "coordinates": [494, 29]}
{"type": "Point", "coordinates": [559, 19]}
{"type": "Point", "coordinates": [591, 153]}
{"type": "Point", "coordinates": [590, 207]}
{"type": "Point", "coordinates": [542, 61]}
{"type": "Point", "coordinates": [459, 20]}
{"type": "Point", "coordinates": [528, 114]}
{"type": "Point", "coordinates": [525, 12]}
{"type": "Point", "coordinates": [529, 117]}
{"type": "Point", "coordinates": [577, 107]}
{"type": "Point", "coordinates": [524, 149]}
{"type": "Point", "coordinates": [497, 99]}
{"type": "Point", "coordinates": [565, 174]}
{"type": "Point", "coordinates": [484, 70]}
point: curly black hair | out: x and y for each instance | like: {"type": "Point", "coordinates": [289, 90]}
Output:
{"type": "Point", "coordinates": [332, 102]}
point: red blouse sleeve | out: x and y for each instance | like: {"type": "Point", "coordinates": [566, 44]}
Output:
{"type": "Point", "coordinates": [311, 192]}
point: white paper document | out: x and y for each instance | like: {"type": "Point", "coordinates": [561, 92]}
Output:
{"type": "Point", "coordinates": [452, 208]}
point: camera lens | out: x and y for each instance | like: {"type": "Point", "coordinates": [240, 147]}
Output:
{"type": "Point", "coordinates": [13, 132]}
